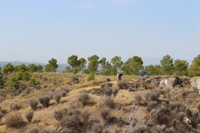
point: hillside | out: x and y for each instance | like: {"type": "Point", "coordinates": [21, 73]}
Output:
{"type": "Point", "coordinates": [135, 105]}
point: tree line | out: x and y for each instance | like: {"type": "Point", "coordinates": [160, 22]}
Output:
{"type": "Point", "coordinates": [132, 66]}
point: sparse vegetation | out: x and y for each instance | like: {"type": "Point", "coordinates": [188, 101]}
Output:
{"type": "Point", "coordinates": [15, 121]}
{"type": "Point", "coordinates": [164, 107]}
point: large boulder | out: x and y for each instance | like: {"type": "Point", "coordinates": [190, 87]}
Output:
{"type": "Point", "coordinates": [195, 85]}
{"type": "Point", "coordinates": [170, 82]}
{"type": "Point", "coordinates": [155, 81]}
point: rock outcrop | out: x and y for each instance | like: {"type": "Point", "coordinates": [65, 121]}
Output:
{"type": "Point", "coordinates": [170, 82]}
{"type": "Point", "coordinates": [195, 85]}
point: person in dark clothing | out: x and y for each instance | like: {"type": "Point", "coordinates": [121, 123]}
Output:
{"type": "Point", "coordinates": [119, 76]}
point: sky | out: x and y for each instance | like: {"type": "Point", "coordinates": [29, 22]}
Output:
{"type": "Point", "coordinates": [38, 30]}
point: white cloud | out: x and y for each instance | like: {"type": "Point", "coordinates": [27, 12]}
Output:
{"type": "Point", "coordinates": [84, 5]}
{"type": "Point", "coordinates": [122, 1]}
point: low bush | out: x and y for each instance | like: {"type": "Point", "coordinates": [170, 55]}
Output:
{"type": "Point", "coordinates": [103, 85]}
{"type": "Point", "coordinates": [98, 127]}
{"type": "Point", "coordinates": [123, 85]}
{"type": "Point", "coordinates": [140, 129]}
{"type": "Point", "coordinates": [67, 130]}
{"type": "Point", "coordinates": [58, 115]}
{"type": "Point", "coordinates": [108, 79]}
{"type": "Point", "coordinates": [115, 91]}
{"type": "Point", "coordinates": [152, 105]}
{"type": "Point", "coordinates": [33, 104]}
{"type": "Point", "coordinates": [34, 130]}
{"type": "Point", "coordinates": [73, 122]}
{"type": "Point", "coordinates": [177, 106]}
{"type": "Point", "coordinates": [15, 106]}
{"type": "Point", "coordinates": [107, 91]}
{"type": "Point", "coordinates": [57, 97]}
{"type": "Point", "coordinates": [153, 95]}
{"type": "Point", "coordinates": [108, 101]}
{"type": "Point", "coordinates": [104, 113]}
{"type": "Point", "coordinates": [85, 114]}
{"type": "Point", "coordinates": [44, 131]}
{"type": "Point", "coordinates": [83, 98]}
{"type": "Point", "coordinates": [29, 116]}
{"type": "Point", "coordinates": [44, 100]}
{"type": "Point", "coordinates": [138, 99]}
{"type": "Point", "coordinates": [161, 115]}
{"type": "Point", "coordinates": [63, 93]}
{"type": "Point", "coordinates": [15, 121]}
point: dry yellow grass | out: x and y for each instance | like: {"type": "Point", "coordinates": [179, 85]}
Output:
{"type": "Point", "coordinates": [44, 117]}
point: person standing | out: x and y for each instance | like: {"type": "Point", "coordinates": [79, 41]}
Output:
{"type": "Point", "coordinates": [119, 75]}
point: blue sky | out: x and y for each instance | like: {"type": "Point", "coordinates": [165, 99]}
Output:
{"type": "Point", "coordinates": [38, 30]}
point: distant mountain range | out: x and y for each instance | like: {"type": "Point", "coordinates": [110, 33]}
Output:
{"type": "Point", "coordinates": [61, 67]}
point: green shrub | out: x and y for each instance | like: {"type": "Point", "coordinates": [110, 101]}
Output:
{"type": "Point", "coordinates": [25, 76]}
{"type": "Point", "coordinates": [32, 81]}
{"type": "Point", "coordinates": [1, 80]}
{"type": "Point", "coordinates": [13, 82]}
{"type": "Point", "coordinates": [19, 75]}
{"type": "Point", "coordinates": [91, 76]}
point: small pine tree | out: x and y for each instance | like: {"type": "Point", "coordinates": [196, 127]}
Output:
{"type": "Point", "coordinates": [1, 80]}
{"type": "Point", "coordinates": [91, 76]}
{"type": "Point", "coordinates": [32, 81]}
{"type": "Point", "coordinates": [25, 76]}
{"type": "Point", "coordinates": [13, 82]}
{"type": "Point", "coordinates": [19, 75]}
